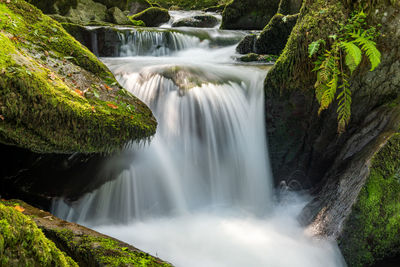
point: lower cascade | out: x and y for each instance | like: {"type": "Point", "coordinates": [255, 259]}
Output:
{"type": "Point", "coordinates": [200, 194]}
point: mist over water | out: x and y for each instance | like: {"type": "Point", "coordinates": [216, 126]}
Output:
{"type": "Point", "coordinates": [201, 193]}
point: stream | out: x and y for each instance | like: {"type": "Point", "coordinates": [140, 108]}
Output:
{"type": "Point", "coordinates": [200, 193]}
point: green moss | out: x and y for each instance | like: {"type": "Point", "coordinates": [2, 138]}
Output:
{"type": "Point", "coordinates": [104, 251]}
{"type": "Point", "coordinates": [372, 231]}
{"type": "Point", "coordinates": [43, 74]}
{"type": "Point", "coordinates": [23, 244]}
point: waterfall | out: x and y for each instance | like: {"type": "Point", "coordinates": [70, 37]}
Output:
{"type": "Point", "coordinates": [200, 194]}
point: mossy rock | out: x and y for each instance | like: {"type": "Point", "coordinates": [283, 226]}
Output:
{"type": "Point", "coordinates": [88, 10]}
{"type": "Point", "coordinates": [152, 17]}
{"type": "Point", "coordinates": [55, 95]}
{"type": "Point", "coordinates": [372, 231]}
{"type": "Point", "coordinates": [248, 14]}
{"type": "Point", "coordinates": [85, 246]}
{"type": "Point", "coordinates": [116, 16]}
{"type": "Point", "coordinates": [137, 6]}
{"type": "Point", "coordinates": [22, 243]}
{"type": "Point", "coordinates": [274, 36]}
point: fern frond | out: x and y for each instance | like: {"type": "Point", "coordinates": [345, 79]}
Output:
{"type": "Point", "coordinates": [329, 94]}
{"type": "Point", "coordinates": [344, 106]}
{"type": "Point", "coordinates": [369, 47]}
{"type": "Point", "coordinates": [353, 55]}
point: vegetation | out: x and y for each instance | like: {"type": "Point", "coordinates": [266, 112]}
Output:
{"type": "Point", "coordinates": [22, 243]}
{"type": "Point", "coordinates": [354, 39]}
{"type": "Point", "coordinates": [373, 229]}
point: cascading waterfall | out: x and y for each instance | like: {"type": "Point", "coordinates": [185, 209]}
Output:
{"type": "Point", "coordinates": [201, 193]}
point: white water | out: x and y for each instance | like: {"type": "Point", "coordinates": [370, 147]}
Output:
{"type": "Point", "coordinates": [200, 194]}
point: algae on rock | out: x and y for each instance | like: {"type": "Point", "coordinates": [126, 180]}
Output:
{"type": "Point", "coordinates": [55, 95]}
{"type": "Point", "coordinates": [152, 17]}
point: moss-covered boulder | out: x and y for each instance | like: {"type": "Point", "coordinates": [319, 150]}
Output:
{"type": "Point", "coordinates": [274, 36]}
{"type": "Point", "coordinates": [372, 231]}
{"type": "Point", "coordinates": [22, 243]}
{"type": "Point", "coordinates": [152, 17]}
{"type": "Point", "coordinates": [85, 246]}
{"type": "Point", "coordinates": [248, 14]}
{"type": "Point", "coordinates": [56, 96]}
{"type": "Point", "coordinates": [199, 21]}
{"type": "Point", "coordinates": [116, 16]}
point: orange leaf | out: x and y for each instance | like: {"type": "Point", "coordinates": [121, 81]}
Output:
{"type": "Point", "coordinates": [19, 208]}
{"type": "Point", "coordinates": [2, 117]}
{"type": "Point", "coordinates": [107, 87]}
{"type": "Point", "coordinates": [93, 109]}
{"type": "Point", "coordinates": [79, 92]}
{"type": "Point", "coordinates": [112, 106]}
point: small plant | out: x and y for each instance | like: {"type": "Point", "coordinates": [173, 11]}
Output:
{"type": "Point", "coordinates": [354, 39]}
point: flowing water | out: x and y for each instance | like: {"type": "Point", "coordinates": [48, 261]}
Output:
{"type": "Point", "coordinates": [201, 193]}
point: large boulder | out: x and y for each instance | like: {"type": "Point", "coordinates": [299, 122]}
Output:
{"type": "Point", "coordinates": [152, 17]}
{"type": "Point", "coordinates": [248, 14]}
{"type": "Point", "coordinates": [56, 96]}
{"type": "Point", "coordinates": [199, 21]}
{"type": "Point", "coordinates": [87, 10]}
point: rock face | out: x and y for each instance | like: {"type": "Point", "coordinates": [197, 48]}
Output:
{"type": "Point", "coordinates": [152, 17]}
{"type": "Point", "coordinates": [85, 246]}
{"type": "Point", "coordinates": [304, 146]}
{"type": "Point", "coordinates": [248, 14]}
{"type": "Point", "coordinates": [58, 97]}
{"type": "Point", "coordinates": [200, 21]}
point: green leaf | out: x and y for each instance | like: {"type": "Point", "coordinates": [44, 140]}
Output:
{"type": "Point", "coordinates": [369, 47]}
{"type": "Point", "coordinates": [313, 48]}
{"type": "Point", "coordinates": [353, 55]}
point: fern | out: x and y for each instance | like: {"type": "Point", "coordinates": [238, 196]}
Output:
{"type": "Point", "coordinates": [353, 55]}
{"type": "Point", "coordinates": [344, 106]}
{"type": "Point", "coordinates": [353, 40]}
{"type": "Point", "coordinates": [369, 47]}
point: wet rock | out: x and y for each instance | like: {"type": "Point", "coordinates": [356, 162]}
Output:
{"type": "Point", "coordinates": [152, 16]}
{"type": "Point", "coordinates": [253, 57]}
{"type": "Point", "coordinates": [200, 21]}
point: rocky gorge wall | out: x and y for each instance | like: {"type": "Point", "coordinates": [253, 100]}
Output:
{"type": "Point", "coordinates": [305, 147]}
